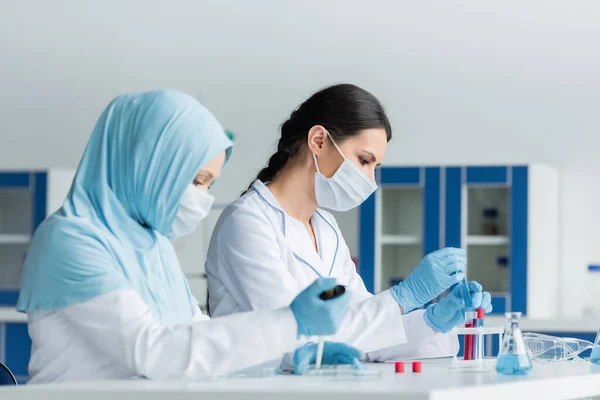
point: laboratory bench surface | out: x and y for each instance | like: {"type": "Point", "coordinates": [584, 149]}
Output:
{"type": "Point", "coordinates": [565, 380]}
{"type": "Point", "coordinates": [10, 314]}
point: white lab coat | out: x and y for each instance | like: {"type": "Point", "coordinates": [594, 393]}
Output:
{"type": "Point", "coordinates": [115, 336]}
{"type": "Point", "coordinates": [261, 258]}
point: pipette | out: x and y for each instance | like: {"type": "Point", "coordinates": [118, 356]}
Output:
{"type": "Point", "coordinates": [464, 287]}
{"type": "Point", "coordinates": [327, 295]}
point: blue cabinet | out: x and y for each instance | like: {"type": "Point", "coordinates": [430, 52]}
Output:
{"type": "Point", "coordinates": [22, 208]}
{"type": "Point", "coordinates": [505, 217]}
{"type": "Point", "coordinates": [399, 224]}
{"type": "Point", "coordinates": [26, 198]}
{"type": "Point", "coordinates": [501, 251]}
{"type": "Point", "coordinates": [17, 349]}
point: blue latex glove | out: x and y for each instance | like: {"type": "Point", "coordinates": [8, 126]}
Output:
{"type": "Point", "coordinates": [316, 316]}
{"type": "Point", "coordinates": [333, 353]}
{"type": "Point", "coordinates": [437, 272]}
{"type": "Point", "coordinates": [450, 310]}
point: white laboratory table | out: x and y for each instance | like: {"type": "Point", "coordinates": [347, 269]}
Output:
{"type": "Point", "coordinates": [10, 314]}
{"type": "Point", "coordinates": [566, 380]}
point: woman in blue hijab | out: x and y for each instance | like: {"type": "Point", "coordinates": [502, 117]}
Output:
{"type": "Point", "coordinates": [103, 291]}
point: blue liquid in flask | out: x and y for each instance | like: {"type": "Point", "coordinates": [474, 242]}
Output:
{"type": "Point", "coordinates": [513, 359]}
{"type": "Point", "coordinates": [595, 357]}
{"type": "Point", "coordinates": [513, 364]}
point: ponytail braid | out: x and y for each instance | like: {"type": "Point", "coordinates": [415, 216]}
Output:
{"type": "Point", "coordinates": [276, 164]}
{"type": "Point", "coordinates": [287, 147]}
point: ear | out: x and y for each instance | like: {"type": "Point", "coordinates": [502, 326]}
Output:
{"type": "Point", "coordinates": [316, 139]}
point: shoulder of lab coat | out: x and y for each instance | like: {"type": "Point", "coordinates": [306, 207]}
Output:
{"type": "Point", "coordinates": [122, 326]}
{"type": "Point", "coordinates": [422, 342]}
{"type": "Point", "coordinates": [244, 258]}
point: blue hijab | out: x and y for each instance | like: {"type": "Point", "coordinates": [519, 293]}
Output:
{"type": "Point", "coordinates": [110, 233]}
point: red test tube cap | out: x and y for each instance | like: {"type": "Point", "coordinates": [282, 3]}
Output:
{"type": "Point", "coordinates": [399, 367]}
{"type": "Point", "coordinates": [480, 313]}
{"type": "Point", "coordinates": [417, 366]}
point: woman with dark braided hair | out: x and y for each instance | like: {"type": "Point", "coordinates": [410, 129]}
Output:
{"type": "Point", "coordinates": [277, 238]}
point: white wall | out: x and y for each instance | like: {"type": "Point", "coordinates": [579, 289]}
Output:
{"type": "Point", "coordinates": [463, 81]}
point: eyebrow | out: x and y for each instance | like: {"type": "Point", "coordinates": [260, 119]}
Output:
{"type": "Point", "coordinates": [205, 174]}
{"type": "Point", "coordinates": [372, 157]}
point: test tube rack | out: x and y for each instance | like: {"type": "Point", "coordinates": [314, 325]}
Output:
{"type": "Point", "coordinates": [480, 363]}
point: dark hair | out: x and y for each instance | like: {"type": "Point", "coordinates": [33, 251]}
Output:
{"type": "Point", "coordinates": [344, 110]}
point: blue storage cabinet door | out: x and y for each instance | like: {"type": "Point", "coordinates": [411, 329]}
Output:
{"type": "Point", "coordinates": [13, 180]}
{"type": "Point", "coordinates": [431, 210]}
{"type": "Point", "coordinates": [8, 297]}
{"type": "Point", "coordinates": [36, 184]}
{"type": "Point", "coordinates": [427, 177]}
{"type": "Point", "coordinates": [366, 252]}
{"type": "Point", "coordinates": [21, 181]}
{"type": "Point", "coordinates": [487, 176]}
{"type": "Point", "coordinates": [518, 238]}
{"type": "Point", "coordinates": [17, 343]}
{"type": "Point", "coordinates": [453, 209]}
{"type": "Point", "coordinates": [501, 302]}
{"type": "Point", "coordinates": [409, 176]}
{"type": "Point", "coordinates": [40, 192]}
{"type": "Point", "coordinates": [516, 179]}
{"type": "Point", "coordinates": [386, 176]}
{"type": "Point", "coordinates": [18, 349]}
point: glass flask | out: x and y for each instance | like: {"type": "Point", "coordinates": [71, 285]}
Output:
{"type": "Point", "coordinates": [513, 358]}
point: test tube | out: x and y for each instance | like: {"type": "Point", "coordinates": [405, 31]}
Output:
{"type": "Point", "coordinates": [466, 344]}
{"type": "Point", "coordinates": [468, 339]}
{"type": "Point", "coordinates": [477, 350]}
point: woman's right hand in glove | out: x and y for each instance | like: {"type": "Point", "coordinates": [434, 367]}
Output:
{"type": "Point", "coordinates": [316, 316]}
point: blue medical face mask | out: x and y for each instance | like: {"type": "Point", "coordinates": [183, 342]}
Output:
{"type": "Point", "coordinates": [346, 189]}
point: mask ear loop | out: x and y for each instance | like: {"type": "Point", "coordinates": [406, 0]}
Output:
{"type": "Point", "coordinates": [316, 164]}
{"type": "Point", "coordinates": [335, 144]}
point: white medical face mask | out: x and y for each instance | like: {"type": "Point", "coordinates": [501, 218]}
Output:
{"type": "Point", "coordinates": [346, 189]}
{"type": "Point", "coordinates": [194, 206]}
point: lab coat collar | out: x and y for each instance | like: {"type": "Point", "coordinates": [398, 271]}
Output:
{"type": "Point", "coordinates": [327, 237]}
{"type": "Point", "coordinates": [266, 195]}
